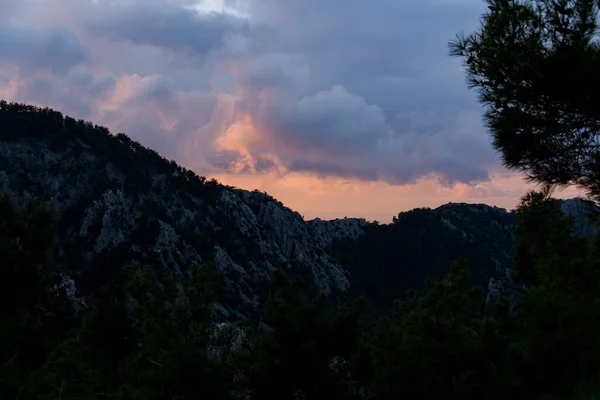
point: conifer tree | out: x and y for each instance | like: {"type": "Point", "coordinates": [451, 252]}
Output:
{"type": "Point", "coordinates": [534, 65]}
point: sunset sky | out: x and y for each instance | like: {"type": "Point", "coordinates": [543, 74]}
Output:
{"type": "Point", "coordinates": [335, 107]}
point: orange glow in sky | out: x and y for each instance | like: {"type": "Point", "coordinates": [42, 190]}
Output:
{"type": "Point", "coordinates": [337, 198]}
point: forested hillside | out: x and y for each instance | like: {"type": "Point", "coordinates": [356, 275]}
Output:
{"type": "Point", "coordinates": [387, 260]}
{"type": "Point", "coordinates": [120, 202]}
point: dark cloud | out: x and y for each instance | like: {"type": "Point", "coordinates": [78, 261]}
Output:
{"type": "Point", "coordinates": [371, 92]}
{"type": "Point", "coordinates": [49, 47]}
{"type": "Point", "coordinates": [331, 120]}
{"type": "Point", "coordinates": [350, 88]}
{"type": "Point", "coordinates": [165, 25]}
{"type": "Point", "coordinates": [74, 93]}
{"type": "Point", "coordinates": [162, 118]}
{"type": "Point", "coordinates": [324, 169]}
{"type": "Point", "coordinates": [158, 89]}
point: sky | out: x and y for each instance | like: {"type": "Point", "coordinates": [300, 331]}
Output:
{"type": "Point", "coordinates": [335, 107]}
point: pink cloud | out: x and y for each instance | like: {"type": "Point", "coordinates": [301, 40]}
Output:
{"type": "Point", "coordinates": [274, 97]}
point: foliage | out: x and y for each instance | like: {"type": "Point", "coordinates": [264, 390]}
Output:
{"type": "Point", "coordinates": [304, 339]}
{"type": "Point", "coordinates": [387, 260]}
{"type": "Point", "coordinates": [433, 347]}
{"type": "Point", "coordinates": [154, 336]}
{"type": "Point", "coordinates": [534, 65]}
{"type": "Point", "coordinates": [34, 312]}
{"type": "Point", "coordinates": [562, 273]}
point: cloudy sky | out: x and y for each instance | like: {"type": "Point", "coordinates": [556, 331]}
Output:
{"type": "Point", "coordinates": [336, 107]}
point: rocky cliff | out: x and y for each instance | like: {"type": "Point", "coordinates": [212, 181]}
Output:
{"type": "Point", "coordinates": [120, 202]}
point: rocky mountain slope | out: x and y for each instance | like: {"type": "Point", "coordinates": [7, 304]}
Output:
{"type": "Point", "coordinates": [121, 202]}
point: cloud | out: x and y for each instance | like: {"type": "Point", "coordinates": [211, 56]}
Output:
{"type": "Point", "coordinates": [164, 25]}
{"type": "Point", "coordinates": [331, 120]}
{"type": "Point", "coordinates": [50, 47]}
{"type": "Point", "coordinates": [361, 91]}
{"type": "Point", "coordinates": [329, 91]}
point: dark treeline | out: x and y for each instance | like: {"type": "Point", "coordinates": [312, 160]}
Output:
{"type": "Point", "coordinates": [389, 259]}
{"type": "Point", "coordinates": [28, 122]}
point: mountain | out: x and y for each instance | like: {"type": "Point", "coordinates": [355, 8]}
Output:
{"type": "Point", "coordinates": [385, 261]}
{"type": "Point", "coordinates": [389, 259]}
{"type": "Point", "coordinates": [121, 202]}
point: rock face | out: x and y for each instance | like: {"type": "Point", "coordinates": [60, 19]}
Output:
{"type": "Point", "coordinates": [326, 232]}
{"type": "Point", "coordinates": [583, 213]}
{"type": "Point", "coordinates": [120, 202]}
{"type": "Point", "coordinates": [502, 286]}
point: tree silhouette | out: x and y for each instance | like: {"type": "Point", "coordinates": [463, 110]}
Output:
{"type": "Point", "coordinates": [534, 64]}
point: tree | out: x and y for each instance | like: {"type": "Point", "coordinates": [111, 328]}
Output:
{"type": "Point", "coordinates": [556, 327]}
{"type": "Point", "coordinates": [34, 314]}
{"type": "Point", "coordinates": [175, 358]}
{"type": "Point", "coordinates": [310, 349]}
{"type": "Point", "coordinates": [433, 346]}
{"type": "Point", "coordinates": [534, 64]}
{"type": "Point", "coordinates": [543, 231]}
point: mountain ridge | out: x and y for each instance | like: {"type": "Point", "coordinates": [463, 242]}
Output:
{"type": "Point", "coordinates": [121, 202]}
{"type": "Point", "coordinates": [386, 260]}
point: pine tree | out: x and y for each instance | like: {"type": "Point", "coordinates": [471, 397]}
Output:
{"type": "Point", "coordinates": [311, 348]}
{"type": "Point", "coordinates": [432, 347]}
{"type": "Point", "coordinates": [556, 324]}
{"type": "Point", "coordinates": [534, 64]}
{"type": "Point", "coordinates": [35, 313]}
